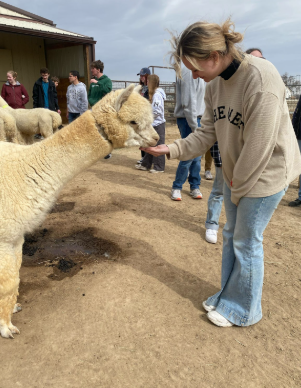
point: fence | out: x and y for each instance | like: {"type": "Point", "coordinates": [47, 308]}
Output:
{"type": "Point", "coordinates": [292, 83]}
{"type": "Point", "coordinates": [293, 91]}
{"type": "Point", "coordinates": [169, 89]}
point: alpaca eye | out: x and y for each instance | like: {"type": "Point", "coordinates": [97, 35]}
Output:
{"type": "Point", "coordinates": [133, 122]}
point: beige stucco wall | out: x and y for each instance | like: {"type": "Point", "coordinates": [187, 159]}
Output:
{"type": "Point", "coordinates": [28, 56]}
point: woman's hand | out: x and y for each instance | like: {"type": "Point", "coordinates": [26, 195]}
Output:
{"type": "Point", "coordinates": [159, 150]}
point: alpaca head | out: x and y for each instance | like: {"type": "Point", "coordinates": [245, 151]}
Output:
{"type": "Point", "coordinates": [126, 118]}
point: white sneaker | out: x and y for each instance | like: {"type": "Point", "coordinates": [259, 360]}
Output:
{"type": "Point", "coordinates": [208, 307]}
{"type": "Point", "coordinates": [139, 167]}
{"type": "Point", "coordinates": [208, 175]}
{"type": "Point", "coordinates": [154, 171]}
{"type": "Point", "coordinates": [196, 194]}
{"type": "Point", "coordinates": [218, 319]}
{"type": "Point", "coordinates": [176, 195]}
{"type": "Point", "coordinates": [211, 236]}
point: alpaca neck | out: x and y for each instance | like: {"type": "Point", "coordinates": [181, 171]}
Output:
{"type": "Point", "coordinates": [73, 149]}
{"type": "Point", "coordinates": [4, 104]}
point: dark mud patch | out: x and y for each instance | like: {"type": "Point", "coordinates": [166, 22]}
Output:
{"type": "Point", "coordinates": [67, 255]}
{"type": "Point", "coordinates": [63, 207]}
{"type": "Point", "coordinates": [30, 245]}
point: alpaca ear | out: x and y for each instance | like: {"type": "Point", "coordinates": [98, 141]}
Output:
{"type": "Point", "coordinates": [138, 88]}
{"type": "Point", "coordinates": [122, 98]}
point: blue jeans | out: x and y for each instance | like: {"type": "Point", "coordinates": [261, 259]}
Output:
{"type": "Point", "coordinates": [72, 116]}
{"type": "Point", "coordinates": [299, 193]}
{"type": "Point", "coordinates": [215, 201]}
{"type": "Point", "coordinates": [242, 261]}
{"type": "Point", "coordinates": [191, 167]}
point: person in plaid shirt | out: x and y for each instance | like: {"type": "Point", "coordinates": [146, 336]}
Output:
{"type": "Point", "coordinates": [215, 200]}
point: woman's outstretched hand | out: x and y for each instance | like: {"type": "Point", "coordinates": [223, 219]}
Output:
{"type": "Point", "coordinates": [159, 150]}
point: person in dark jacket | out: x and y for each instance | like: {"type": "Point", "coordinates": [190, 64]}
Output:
{"type": "Point", "coordinates": [13, 92]}
{"type": "Point", "coordinates": [296, 121]}
{"type": "Point", "coordinates": [44, 92]}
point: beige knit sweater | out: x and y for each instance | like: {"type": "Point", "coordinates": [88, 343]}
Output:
{"type": "Point", "coordinates": [249, 117]}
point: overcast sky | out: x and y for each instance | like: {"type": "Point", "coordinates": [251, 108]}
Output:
{"type": "Point", "coordinates": [131, 34]}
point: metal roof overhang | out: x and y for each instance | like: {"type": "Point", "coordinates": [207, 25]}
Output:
{"type": "Point", "coordinates": [47, 35]}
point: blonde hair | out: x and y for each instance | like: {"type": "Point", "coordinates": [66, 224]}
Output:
{"type": "Point", "coordinates": [13, 73]}
{"type": "Point", "coordinates": [198, 41]}
{"type": "Point", "coordinates": [153, 82]}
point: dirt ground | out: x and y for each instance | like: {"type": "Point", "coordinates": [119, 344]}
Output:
{"type": "Point", "coordinates": [112, 285]}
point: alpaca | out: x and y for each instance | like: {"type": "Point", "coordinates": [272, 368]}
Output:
{"type": "Point", "coordinates": [32, 121]}
{"type": "Point", "coordinates": [8, 127]}
{"type": "Point", "coordinates": [32, 176]}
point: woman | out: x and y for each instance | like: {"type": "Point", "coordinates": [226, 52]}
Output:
{"type": "Point", "coordinates": [156, 98]}
{"type": "Point", "coordinates": [246, 112]}
{"type": "Point", "coordinates": [13, 92]}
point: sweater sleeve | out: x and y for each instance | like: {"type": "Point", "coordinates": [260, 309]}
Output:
{"type": "Point", "coordinates": [200, 141]}
{"type": "Point", "coordinates": [24, 92]}
{"type": "Point", "coordinates": [262, 114]}
{"type": "Point", "coordinates": [105, 87]}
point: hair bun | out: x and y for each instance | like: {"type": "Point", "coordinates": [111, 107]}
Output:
{"type": "Point", "coordinates": [229, 33]}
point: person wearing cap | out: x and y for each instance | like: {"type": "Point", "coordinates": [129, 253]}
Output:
{"type": "Point", "coordinates": [144, 73]}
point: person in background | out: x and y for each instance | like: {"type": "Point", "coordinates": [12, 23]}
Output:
{"type": "Point", "coordinates": [13, 92]}
{"type": "Point", "coordinates": [296, 121]}
{"type": "Point", "coordinates": [259, 152]}
{"type": "Point", "coordinates": [256, 52]}
{"type": "Point", "coordinates": [215, 200]}
{"type": "Point", "coordinates": [156, 98]}
{"type": "Point", "coordinates": [100, 85]}
{"type": "Point", "coordinates": [44, 92]}
{"type": "Point", "coordinates": [56, 81]}
{"type": "Point", "coordinates": [77, 99]}
{"type": "Point", "coordinates": [189, 109]}
{"type": "Point", "coordinates": [143, 76]}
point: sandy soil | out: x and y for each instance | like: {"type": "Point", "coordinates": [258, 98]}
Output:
{"type": "Point", "coordinates": [127, 310]}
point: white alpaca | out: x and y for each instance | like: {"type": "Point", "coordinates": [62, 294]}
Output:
{"type": "Point", "coordinates": [32, 121]}
{"type": "Point", "coordinates": [32, 176]}
{"type": "Point", "coordinates": [8, 128]}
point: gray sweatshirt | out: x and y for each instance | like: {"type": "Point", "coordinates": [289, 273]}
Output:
{"type": "Point", "coordinates": [190, 98]}
{"type": "Point", "coordinates": [77, 100]}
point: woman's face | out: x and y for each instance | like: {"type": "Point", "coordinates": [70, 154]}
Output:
{"type": "Point", "coordinates": [209, 68]}
{"type": "Point", "coordinates": [143, 79]}
{"type": "Point", "coordinates": [10, 78]}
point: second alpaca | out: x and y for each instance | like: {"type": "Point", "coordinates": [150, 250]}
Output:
{"type": "Point", "coordinates": [156, 97]}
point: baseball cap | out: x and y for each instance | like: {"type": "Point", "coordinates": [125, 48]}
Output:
{"type": "Point", "coordinates": [144, 70]}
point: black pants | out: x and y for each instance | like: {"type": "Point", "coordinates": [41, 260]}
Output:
{"type": "Point", "coordinates": [157, 161]}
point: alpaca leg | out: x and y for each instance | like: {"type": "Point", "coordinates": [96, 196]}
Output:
{"type": "Point", "coordinates": [45, 124]}
{"type": "Point", "coordinates": [17, 307]}
{"type": "Point", "coordinates": [9, 283]}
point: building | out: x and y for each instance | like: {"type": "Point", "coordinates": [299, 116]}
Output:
{"type": "Point", "coordinates": [29, 42]}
